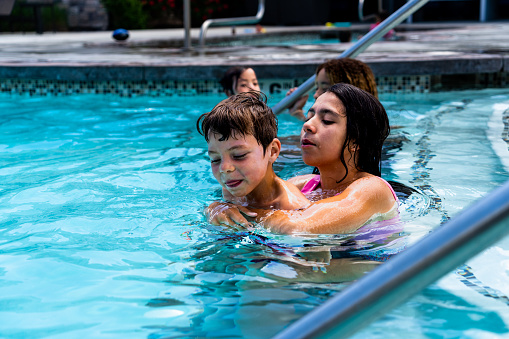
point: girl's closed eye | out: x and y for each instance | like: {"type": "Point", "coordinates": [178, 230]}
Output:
{"type": "Point", "coordinates": [214, 161]}
{"type": "Point", "coordinates": [327, 122]}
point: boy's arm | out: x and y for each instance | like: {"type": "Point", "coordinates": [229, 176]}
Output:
{"type": "Point", "coordinates": [231, 212]}
{"type": "Point", "coordinates": [223, 213]}
{"type": "Point", "coordinates": [228, 212]}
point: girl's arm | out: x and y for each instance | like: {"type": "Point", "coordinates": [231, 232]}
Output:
{"type": "Point", "coordinates": [344, 213]}
{"type": "Point", "coordinates": [296, 109]}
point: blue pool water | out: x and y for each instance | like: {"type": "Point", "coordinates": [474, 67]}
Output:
{"type": "Point", "coordinates": [304, 39]}
{"type": "Point", "coordinates": [102, 235]}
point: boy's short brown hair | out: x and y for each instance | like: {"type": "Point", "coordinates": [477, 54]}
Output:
{"type": "Point", "coordinates": [241, 114]}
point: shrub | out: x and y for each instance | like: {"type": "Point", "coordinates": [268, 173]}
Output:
{"type": "Point", "coordinates": [169, 13]}
{"type": "Point", "coordinates": [136, 14]}
{"type": "Point", "coordinates": [128, 14]}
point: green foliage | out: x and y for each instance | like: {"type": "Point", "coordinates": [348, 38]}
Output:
{"type": "Point", "coordinates": [169, 13]}
{"type": "Point", "coordinates": [128, 14]}
{"type": "Point", "coordinates": [22, 19]}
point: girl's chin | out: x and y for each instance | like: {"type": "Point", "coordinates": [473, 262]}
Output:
{"type": "Point", "coordinates": [311, 161]}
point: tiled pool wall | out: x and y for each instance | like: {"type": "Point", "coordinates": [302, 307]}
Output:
{"type": "Point", "coordinates": [126, 88]}
{"type": "Point", "coordinates": [402, 84]}
{"type": "Point", "coordinates": [385, 84]}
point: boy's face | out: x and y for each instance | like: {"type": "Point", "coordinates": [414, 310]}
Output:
{"type": "Point", "coordinates": [238, 164]}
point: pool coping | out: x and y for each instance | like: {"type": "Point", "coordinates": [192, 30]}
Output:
{"type": "Point", "coordinates": [384, 66]}
{"type": "Point", "coordinates": [442, 53]}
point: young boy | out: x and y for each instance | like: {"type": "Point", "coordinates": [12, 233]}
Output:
{"type": "Point", "coordinates": [241, 133]}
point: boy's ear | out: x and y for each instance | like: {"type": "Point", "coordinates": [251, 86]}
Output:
{"type": "Point", "coordinates": [274, 148]}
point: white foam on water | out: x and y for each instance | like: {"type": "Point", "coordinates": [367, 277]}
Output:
{"type": "Point", "coordinates": [495, 133]}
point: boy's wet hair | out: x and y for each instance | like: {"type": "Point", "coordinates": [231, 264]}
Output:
{"type": "Point", "coordinates": [240, 115]}
{"type": "Point", "coordinates": [230, 78]}
{"type": "Point", "coordinates": [350, 71]}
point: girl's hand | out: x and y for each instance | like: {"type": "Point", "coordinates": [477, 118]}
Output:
{"type": "Point", "coordinates": [296, 109]}
{"type": "Point", "coordinates": [223, 213]}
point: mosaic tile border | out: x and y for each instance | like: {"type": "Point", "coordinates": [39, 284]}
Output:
{"type": "Point", "coordinates": [132, 88]}
{"type": "Point", "coordinates": [404, 84]}
{"type": "Point", "coordinates": [386, 85]}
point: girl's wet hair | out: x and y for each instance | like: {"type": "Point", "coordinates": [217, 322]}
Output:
{"type": "Point", "coordinates": [240, 115]}
{"type": "Point", "coordinates": [230, 78]}
{"type": "Point", "coordinates": [367, 127]}
{"type": "Point", "coordinates": [350, 71]}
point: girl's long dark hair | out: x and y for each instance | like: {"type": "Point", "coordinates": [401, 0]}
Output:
{"type": "Point", "coordinates": [367, 127]}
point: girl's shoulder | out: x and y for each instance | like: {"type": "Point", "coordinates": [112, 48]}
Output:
{"type": "Point", "coordinates": [301, 180]}
{"type": "Point", "coordinates": [374, 187]}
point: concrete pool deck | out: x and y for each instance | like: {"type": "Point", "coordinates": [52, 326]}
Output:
{"type": "Point", "coordinates": [454, 48]}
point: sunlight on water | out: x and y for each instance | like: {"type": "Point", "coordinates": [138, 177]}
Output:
{"type": "Point", "coordinates": [102, 233]}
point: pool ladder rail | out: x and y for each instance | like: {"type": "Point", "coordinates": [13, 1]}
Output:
{"type": "Point", "coordinates": [372, 36]}
{"type": "Point", "coordinates": [249, 20]}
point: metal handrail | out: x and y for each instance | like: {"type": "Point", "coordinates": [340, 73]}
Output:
{"type": "Point", "coordinates": [407, 273]}
{"type": "Point", "coordinates": [249, 20]}
{"type": "Point", "coordinates": [372, 36]}
{"type": "Point", "coordinates": [361, 10]}
{"type": "Point", "coordinates": [187, 24]}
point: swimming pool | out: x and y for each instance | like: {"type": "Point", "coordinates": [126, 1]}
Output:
{"type": "Point", "coordinates": [102, 234]}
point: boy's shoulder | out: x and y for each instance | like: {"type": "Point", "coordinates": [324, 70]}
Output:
{"type": "Point", "coordinates": [291, 198]}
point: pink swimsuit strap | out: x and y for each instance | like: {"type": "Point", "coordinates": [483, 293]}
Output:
{"type": "Point", "coordinates": [392, 189]}
{"type": "Point", "coordinates": [313, 183]}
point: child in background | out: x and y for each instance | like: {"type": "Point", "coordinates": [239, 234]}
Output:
{"type": "Point", "coordinates": [239, 80]}
{"type": "Point", "coordinates": [341, 70]}
{"type": "Point", "coordinates": [241, 133]}
{"type": "Point", "coordinates": [380, 17]}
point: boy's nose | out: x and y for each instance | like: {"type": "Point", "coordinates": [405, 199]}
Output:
{"type": "Point", "coordinates": [226, 167]}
